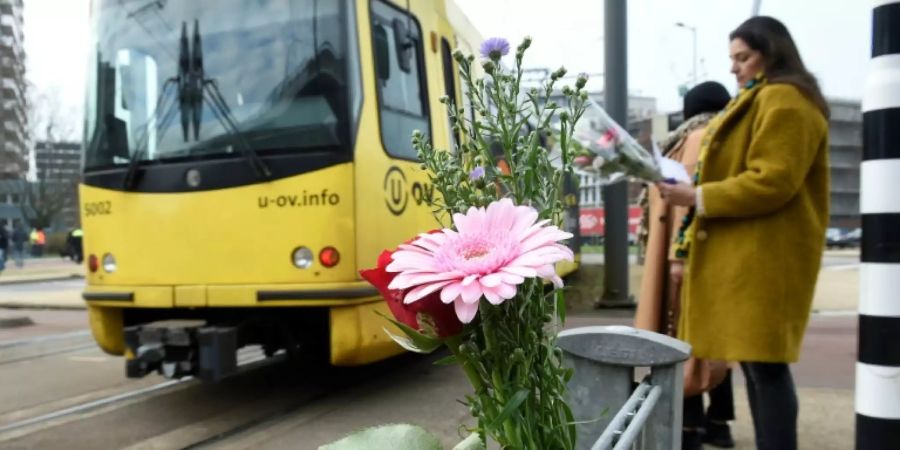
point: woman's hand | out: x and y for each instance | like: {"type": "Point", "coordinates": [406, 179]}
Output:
{"type": "Point", "coordinates": [680, 194]}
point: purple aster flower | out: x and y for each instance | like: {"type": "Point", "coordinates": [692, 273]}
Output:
{"type": "Point", "coordinates": [476, 173]}
{"type": "Point", "coordinates": [494, 48]}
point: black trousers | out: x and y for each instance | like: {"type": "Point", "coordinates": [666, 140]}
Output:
{"type": "Point", "coordinates": [773, 404]}
{"type": "Point", "coordinates": [721, 405]}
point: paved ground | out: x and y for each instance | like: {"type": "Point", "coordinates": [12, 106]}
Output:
{"type": "Point", "coordinates": [58, 294]}
{"type": "Point", "coordinates": [41, 269]}
{"type": "Point", "coordinates": [282, 407]}
{"type": "Point", "coordinates": [287, 409]}
{"type": "Point", "coordinates": [46, 322]}
{"type": "Point", "coordinates": [826, 421]}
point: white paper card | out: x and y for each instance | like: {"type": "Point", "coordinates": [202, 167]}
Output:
{"type": "Point", "coordinates": [672, 169]}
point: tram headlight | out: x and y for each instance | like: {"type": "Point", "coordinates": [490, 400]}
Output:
{"type": "Point", "coordinates": [302, 257]}
{"type": "Point", "coordinates": [109, 263]}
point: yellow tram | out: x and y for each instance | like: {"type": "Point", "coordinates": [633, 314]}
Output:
{"type": "Point", "coordinates": [243, 160]}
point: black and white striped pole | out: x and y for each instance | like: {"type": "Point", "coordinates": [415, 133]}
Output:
{"type": "Point", "coordinates": [878, 366]}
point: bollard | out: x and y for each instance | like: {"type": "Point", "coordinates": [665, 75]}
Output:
{"type": "Point", "coordinates": [878, 366]}
{"type": "Point", "coordinates": [604, 360]}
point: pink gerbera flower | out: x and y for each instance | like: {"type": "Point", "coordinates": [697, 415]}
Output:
{"type": "Point", "coordinates": [491, 252]}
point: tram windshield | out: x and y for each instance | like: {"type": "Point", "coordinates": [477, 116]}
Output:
{"type": "Point", "coordinates": [210, 78]}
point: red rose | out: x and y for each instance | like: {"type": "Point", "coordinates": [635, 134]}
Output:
{"type": "Point", "coordinates": [442, 315]}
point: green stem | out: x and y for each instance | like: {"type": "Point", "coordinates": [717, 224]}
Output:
{"type": "Point", "coordinates": [454, 343]}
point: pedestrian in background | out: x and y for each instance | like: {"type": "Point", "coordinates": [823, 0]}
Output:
{"type": "Point", "coordinates": [755, 237]}
{"type": "Point", "coordinates": [74, 245]}
{"type": "Point", "coordinates": [4, 247]}
{"type": "Point", "coordinates": [659, 301]}
{"type": "Point", "coordinates": [18, 243]}
{"type": "Point", "coordinates": [32, 241]}
{"type": "Point", "coordinates": [40, 240]}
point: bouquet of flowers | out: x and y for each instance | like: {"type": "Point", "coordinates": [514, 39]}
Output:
{"type": "Point", "coordinates": [484, 284]}
{"type": "Point", "coordinates": [608, 151]}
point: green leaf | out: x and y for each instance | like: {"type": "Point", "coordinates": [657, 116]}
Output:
{"type": "Point", "coordinates": [414, 341]}
{"type": "Point", "coordinates": [509, 409]}
{"type": "Point", "coordinates": [413, 344]}
{"type": "Point", "coordinates": [570, 420]}
{"type": "Point", "coordinates": [603, 414]}
{"type": "Point", "coordinates": [473, 442]}
{"type": "Point", "coordinates": [388, 437]}
{"type": "Point", "coordinates": [451, 360]}
{"type": "Point", "coordinates": [561, 307]}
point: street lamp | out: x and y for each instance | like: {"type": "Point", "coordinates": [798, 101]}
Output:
{"type": "Point", "coordinates": [694, 59]}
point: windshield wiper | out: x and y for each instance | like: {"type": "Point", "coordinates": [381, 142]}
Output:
{"type": "Point", "coordinates": [213, 97]}
{"type": "Point", "coordinates": [199, 89]}
{"type": "Point", "coordinates": [138, 155]}
{"type": "Point", "coordinates": [193, 90]}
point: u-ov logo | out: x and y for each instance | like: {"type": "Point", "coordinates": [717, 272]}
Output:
{"type": "Point", "coordinates": [396, 195]}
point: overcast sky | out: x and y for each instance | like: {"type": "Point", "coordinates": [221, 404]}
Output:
{"type": "Point", "coordinates": [834, 38]}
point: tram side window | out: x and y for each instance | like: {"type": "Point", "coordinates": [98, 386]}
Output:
{"type": "Point", "coordinates": [449, 86]}
{"type": "Point", "coordinates": [401, 78]}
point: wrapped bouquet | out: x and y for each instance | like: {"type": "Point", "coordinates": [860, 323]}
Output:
{"type": "Point", "coordinates": [606, 150]}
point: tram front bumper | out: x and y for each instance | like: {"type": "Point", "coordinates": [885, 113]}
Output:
{"type": "Point", "coordinates": [180, 348]}
{"type": "Point", "coordinates": [230, 296]}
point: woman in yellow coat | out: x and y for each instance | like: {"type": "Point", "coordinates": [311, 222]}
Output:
{"type": "Point", "coordinates": [760, 209]}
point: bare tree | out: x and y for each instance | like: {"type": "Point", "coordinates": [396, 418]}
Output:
{"type": "Point", "coordinates": [42, 200]}
{"type": "Point", "coordinates": [46, 193]}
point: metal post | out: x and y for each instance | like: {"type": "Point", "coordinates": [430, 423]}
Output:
{"type": "Point", "coordinates": [615, 197]}
{"type": "Point", "coordinates": [693, 55]}
{"type": "Point", "coordinates": [600, 392]}
{"type": "Point", "coordinates": [694, 35]}
{"type": "Point", "coordinates": [878, 366]}
{"type": "Point", "coordinates": [756, 7]}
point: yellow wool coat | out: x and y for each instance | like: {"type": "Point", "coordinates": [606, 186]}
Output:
{"type": "Point", "coordinates": [756, 251]}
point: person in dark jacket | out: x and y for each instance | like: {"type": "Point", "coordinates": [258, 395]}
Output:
{"type": "Point", "coordinates": [19, 237]}
{"type": "Point", "coordinates": [4, 247]}
{"type": "Point", "coordinates": [74, 246]}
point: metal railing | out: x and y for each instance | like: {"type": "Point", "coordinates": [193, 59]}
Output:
{"type": "Point", "coordinates": [628, 423]}
{"type": "Point", "coordinates": [604, 398]}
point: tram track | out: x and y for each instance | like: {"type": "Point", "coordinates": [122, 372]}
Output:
{"type": "Point", "coordinates": [41, 339]}
{"type": "Point", "coordinates": [59, 351]}
{"type": "Point", "coordinates": [114, 412]}
{"type": "Point", "coordinates": [29, 349]}
{"type": "Point", "coordinates": [344, 385]}
{"type": "Point", "coordinates": [248, 359]}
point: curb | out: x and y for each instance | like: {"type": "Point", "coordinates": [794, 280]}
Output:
{"type": "Point", "coordinates": [835, 312]}
{"type": "Point", "coordinates": [40, 280]}
{"type": "Point", "coordinates": [15, 322]}
{"type": "Point", "coordinates": [43, 306]}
